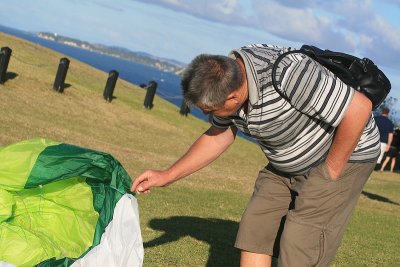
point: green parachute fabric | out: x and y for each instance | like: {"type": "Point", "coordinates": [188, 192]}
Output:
{"type": "Point", "coordinates": [56, 201]}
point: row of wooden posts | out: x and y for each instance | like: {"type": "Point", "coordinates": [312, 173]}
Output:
{"type": "Point", "coordinates": [59, 81]}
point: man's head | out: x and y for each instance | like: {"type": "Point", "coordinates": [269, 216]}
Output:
{"type": "Point", "coordinates": [385, 111]}
{"type": "Point", "coordinates": [210, 82]}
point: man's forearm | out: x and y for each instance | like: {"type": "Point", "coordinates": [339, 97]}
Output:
{"type": "Point", "coordinates": [205, 150]}
{"type": "Point", "coordinates": [348, 134]}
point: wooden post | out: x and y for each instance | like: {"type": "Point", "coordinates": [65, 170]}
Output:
{"type": "Point", "coordinates": [5, 55]}
{"type": "Point", "coordinates": [61, 75]}
{"type": "Point", "coordinates": [151, 91]}
{"type": "Point", "coordinates": [110, 85]}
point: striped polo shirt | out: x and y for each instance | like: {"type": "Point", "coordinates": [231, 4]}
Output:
{"type": "Point", "coordinates": [295, 136]}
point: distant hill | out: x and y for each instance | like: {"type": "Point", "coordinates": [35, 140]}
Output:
{"type": "Point", "coordinates": [168, 65]}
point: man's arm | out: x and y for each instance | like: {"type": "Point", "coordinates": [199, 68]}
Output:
{"type": "Point", "coordinates": [389, 143]}
{"type": "Point", "coordinates": [204, 150]}
{"type": "Point", "coordinates": [348, 134]}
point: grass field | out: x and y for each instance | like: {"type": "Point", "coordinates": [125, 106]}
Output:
{"type": "Point", "coordinates": [192, 222]}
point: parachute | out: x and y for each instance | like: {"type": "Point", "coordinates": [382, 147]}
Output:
{"type": "Point", "coordinates": [64, 205]}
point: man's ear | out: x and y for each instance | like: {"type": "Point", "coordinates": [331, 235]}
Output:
{"type": "Point", "coordinates": [234, 96]}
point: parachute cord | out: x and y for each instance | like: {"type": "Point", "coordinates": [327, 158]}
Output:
{"type": "Point", "coordinates": [112, 187]}
{"type": "Point", "coordinates": [116, 189]}
{"type": "Point", "coordinates": [27, 212]}
{"type": "Point", "coordinates": [40, 197]}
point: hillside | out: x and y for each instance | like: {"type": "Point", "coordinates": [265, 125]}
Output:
{"type": "Point", "coordinates": [192, 222]}
{"type": "Point", "coordinates": [163, 64]}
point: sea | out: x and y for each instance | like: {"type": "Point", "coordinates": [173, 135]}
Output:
{"type": "Point", "coordinates": [168, 84]}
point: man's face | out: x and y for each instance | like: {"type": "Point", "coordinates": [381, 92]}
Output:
{"type": "Point", "coordinates": [231, 105]}
{"type": "Point", "coordinates": [229, 108]}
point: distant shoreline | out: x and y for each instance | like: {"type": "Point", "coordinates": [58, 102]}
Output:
{"type": "Point", "coordinates": [166, 65]}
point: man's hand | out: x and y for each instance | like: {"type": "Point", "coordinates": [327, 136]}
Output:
{"type": "Point", "coordinates": [150, 178]}
{"type": "Point", "coordinates": [333, 171]}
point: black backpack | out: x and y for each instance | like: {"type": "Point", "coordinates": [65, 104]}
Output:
{"type": "Point", "coordinates": [361, 74]}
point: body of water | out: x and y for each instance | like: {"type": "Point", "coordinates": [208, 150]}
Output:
{"type": "Point", "coordinates": [168, 83]}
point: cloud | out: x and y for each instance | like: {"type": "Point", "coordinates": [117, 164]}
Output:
{"type": "Point", "coordinates": [376, 37]}
{"type": "Point", "coordinates": [223, 11]}
{"type": "Point", "coordinates": [351, 26]}
{"type": "Point", "coordinates": [298, 3]}
{"type": "Point", "coordinates": [394, 2]}
{"type": "Point", "coordinates": [298, 24]}
{"type": "Point", "coordinates": [109, 6]}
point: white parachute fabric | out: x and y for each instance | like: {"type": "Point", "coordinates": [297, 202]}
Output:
{"type": "Point", "coordinates": [6, 264]}
{"type": "Point", "coordinates": [121, 244]}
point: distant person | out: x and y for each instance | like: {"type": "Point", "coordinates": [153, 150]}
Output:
{"type": "Point", "coordinates": [321, 143]}
{"type": "Point", "coordinates": [385, 127]}
{"type": "Point", "coordinates": [393, 152]}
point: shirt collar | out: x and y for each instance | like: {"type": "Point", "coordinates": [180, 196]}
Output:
{"type": "Point", "coordinates": [250, 72]}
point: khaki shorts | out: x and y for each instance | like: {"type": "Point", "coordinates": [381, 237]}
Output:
{"type": "Point", "coordinates": [301, 218]}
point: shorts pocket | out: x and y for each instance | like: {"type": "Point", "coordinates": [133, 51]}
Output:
{"type": "Point", "coordinates": [325, 172]}
{"type": "Point", "coordinates": [321, 170]}
{"type": "Point", "coordinates": [321, 246]}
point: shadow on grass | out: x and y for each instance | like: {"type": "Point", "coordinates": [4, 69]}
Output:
{"type": "Point", "coordinates": [66, 85]}
{"type": "Point", "coordinates": [379, 198]}
{"type": "Point", "coordinates": [10, 76]}
{"type": "Point", "coordinates": [219, 234]}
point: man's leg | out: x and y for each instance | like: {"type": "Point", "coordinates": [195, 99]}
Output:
{"type": "Point", "coordinates": [250, 259]}
{"type": "Point", "coordinates": [383, 150]}
{"type": "Point", "coordinates": [385, 162]}
{"type": "Point", "coordinates": [393, 164]}
{"type": "Point", "coordinates": [262, 222]}
{"type": "Point", "coordinates": [314, 229]}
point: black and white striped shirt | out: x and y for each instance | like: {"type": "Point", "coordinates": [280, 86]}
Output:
{"type": "Point", "coordinates": [295, 136]}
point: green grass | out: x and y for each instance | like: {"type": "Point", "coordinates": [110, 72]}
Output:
{"type": "Point", "coordinates": [192, 222]}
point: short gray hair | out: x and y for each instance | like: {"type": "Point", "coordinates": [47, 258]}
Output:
{"type": "Point", "coordinates": [209, 79]}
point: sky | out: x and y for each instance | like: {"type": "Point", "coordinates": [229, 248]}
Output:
{"type": "Point", "coordinates": [182, 29]}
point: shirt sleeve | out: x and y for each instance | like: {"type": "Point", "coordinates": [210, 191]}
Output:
{"type": "Point", "coordinates": [315, 91]}
{"type": "Point", "coordinates": [221, 122]}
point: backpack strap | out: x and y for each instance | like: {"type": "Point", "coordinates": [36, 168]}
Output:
{"type": "Point", "coordinates": [273, 75]}
{"type": "Point", "coordinates": [336, 62]}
